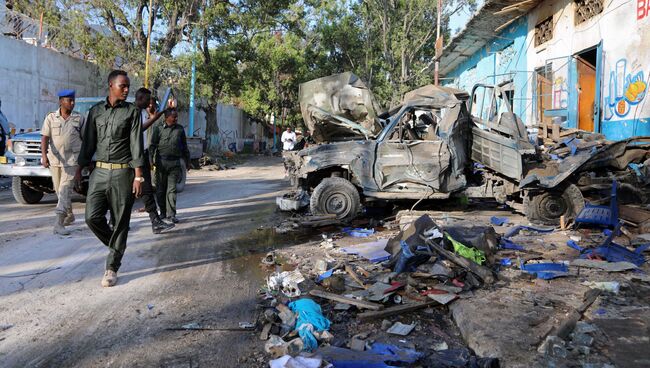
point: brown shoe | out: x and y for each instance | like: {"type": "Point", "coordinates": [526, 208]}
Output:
{"type": "Point", "coordinates": [110, 278]}
{"type": "Point", "coordinates": [69, 219]}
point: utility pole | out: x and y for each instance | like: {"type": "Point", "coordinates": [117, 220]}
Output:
{"type": "Point", "coordinates": [192, 82]}
{"type": "Point", "coordinates": [146, 62]}
{"type": "Point", "coordinates": [438, 45]}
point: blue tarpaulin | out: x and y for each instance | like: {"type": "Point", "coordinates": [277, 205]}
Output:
{"type": "Point", "coordinates": [546, 271]}
{"type": "Point", "coordinates": [498, 221]}
{"type": "Point", "coordinates": [358, 232]}
{"type": "Point", "coordinates": [508, 244]}
{"type": "Point", "coordinates": [379, 356]}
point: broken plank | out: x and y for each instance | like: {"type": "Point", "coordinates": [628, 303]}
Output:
{"type": "Point", "coordinates": [633, 214]}
{"type": "Point", "coordinates": [342, 299]}
{"type": "Point", "coordinates": [354, 276]}
{"type": "Point", "coordinates": [397, 310]}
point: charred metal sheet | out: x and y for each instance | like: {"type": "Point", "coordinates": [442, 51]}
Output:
{"type": "Point", "coordinates": [440, 96]}
{"type": "Point", "coordinates": [609, 156]}
{"type": "Point", "coordinates": [497, 152]}
{"type": "Point", "coordinates": [355, 156]}
{"type": "Point", "coordinates": [339, 107]}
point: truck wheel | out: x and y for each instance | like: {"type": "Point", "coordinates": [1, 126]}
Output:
{"type": "Point", "coordinates": [24, 194]}
{"type": "Point", "coordinates": [335, 196]}
{"type": "Point", "coordinates": [547, 207]}
{"type": "Point", "coordinates": [180, 186]}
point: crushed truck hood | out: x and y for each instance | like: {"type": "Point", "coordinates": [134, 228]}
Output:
{"type": "Point", "coordinates": [339, 107]}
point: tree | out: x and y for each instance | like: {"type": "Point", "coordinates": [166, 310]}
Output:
{"type": "Point", "coordinates": [114, 32]}
{"type": "Point", "coordinates": [404, 32]}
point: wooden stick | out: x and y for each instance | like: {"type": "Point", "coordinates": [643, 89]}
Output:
{"type": "Point", "coordinates": [354, 276]}
{"type": "Point", "coordinates": [397, 310]}
{"type": "Point", "coordinates": [342, 299]}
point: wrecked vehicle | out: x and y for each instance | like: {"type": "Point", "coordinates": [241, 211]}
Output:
{"type": "Point", "coordinates": [431, 147]}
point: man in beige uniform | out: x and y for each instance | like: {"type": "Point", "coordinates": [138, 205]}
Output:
{"type": "Point", "coordinates": [60, 147]}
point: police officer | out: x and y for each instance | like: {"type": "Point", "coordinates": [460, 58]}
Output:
{"type": "Point", "coordinates": [113, 134]}
{"type": "Point", "coordinates": [60, 146]}
{"type": "Point", "coordinates": [169, 144]}
{"type": "Point", "coordinates": [142, 102]}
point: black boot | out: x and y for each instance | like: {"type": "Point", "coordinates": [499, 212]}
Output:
{"type": "Point", "coordinates": [159, 226]}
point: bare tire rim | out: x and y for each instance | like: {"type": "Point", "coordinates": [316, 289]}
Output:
{"type": "Point", "coordinates": [553, 206]}
{"type": "Point", "coordinates": [338, 204]}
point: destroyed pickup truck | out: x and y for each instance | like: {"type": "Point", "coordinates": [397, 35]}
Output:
{"type": "Point", "coordinates": [431, 147]}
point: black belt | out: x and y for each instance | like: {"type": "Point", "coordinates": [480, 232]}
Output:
{"type": "Point", "coordinates": [170, 158]}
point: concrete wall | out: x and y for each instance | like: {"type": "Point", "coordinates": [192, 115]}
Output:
{"type": "Point", "coordinates": [624, 30]}
{"type": "Point", "coordinates": [31, 77]}
{"type": "Point", "coordinates": [235, 127]}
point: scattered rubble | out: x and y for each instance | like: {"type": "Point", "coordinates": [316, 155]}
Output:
{"type": "Point", "coordinates": [428, 289]}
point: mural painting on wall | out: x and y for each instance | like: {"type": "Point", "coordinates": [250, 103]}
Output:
{"type": "Point", "coordinates": [626, 89]}
{"type": "Point", "coordinates": [560, 93]}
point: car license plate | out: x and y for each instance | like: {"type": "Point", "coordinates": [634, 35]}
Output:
{"type": "Point", "coordinates": [3, 160]}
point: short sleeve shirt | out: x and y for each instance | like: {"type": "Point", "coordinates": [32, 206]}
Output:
{"type": "Point", "coordinates": [65, 138]}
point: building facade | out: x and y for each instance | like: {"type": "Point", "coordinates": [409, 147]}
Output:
{"type": "Point", "coordinates": [583, 64]}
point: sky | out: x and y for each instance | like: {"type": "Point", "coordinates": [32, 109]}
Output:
{"type": "Point", "coordinates": [457, 21]}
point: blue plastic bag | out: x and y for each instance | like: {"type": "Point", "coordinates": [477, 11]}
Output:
{"type": "Point", "coordinates": [309, 314]}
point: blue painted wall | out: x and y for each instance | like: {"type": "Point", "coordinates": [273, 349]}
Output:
{"type": "Point", "coordinates": [504, 54]}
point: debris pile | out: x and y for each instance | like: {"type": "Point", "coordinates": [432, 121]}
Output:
{"type": "Point", "coordinates": [437, 293]}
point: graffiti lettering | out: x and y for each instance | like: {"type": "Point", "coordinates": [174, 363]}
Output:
{"type": "Point", "coordinates": [625, 90]}
{"type": "Point", "coordinates": [642, 9]}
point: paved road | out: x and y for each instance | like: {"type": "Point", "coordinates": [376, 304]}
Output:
{"type": "Point", "coordinates": [205, 271]}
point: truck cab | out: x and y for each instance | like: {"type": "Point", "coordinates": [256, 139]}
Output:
{"type": "Point", "coordinates": [30, 181]}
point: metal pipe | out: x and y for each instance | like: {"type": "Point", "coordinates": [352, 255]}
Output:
{"type": "Point", "coordinates": [192, 82]}
{"type": "Point", "coordinates": [437, 63]}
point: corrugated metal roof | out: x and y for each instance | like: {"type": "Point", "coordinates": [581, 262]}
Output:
{"type": "Point", "coordinates": [481, 29]}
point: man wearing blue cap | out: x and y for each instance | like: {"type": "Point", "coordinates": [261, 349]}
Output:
{"type": "Point", "coordinates": [60, 147]}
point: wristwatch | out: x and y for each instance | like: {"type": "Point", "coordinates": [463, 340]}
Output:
{"type": "Point", "coordinates": [139, 178]}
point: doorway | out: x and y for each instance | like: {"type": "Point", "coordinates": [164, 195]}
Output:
{"type": "Point", "coordinates": [586, 67]}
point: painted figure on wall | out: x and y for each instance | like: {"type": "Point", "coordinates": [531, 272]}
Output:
{"type": "Point", "coordinates": [560, 93]}
{"type": "Point", "coordinates": [625, 90]}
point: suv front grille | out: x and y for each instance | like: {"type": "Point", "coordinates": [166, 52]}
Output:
{"type": "Point", "coordinates": [33, 148]}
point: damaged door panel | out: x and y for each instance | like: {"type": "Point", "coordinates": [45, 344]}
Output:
{"type": "Point", "coordinates": [411, 166]}
{"type": "Point", "coordinates": [500, 139]}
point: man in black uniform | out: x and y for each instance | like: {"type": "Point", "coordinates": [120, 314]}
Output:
{"type": "Point", "coordinates": [142, 102]}
{"type": "Point", "coordinates": [169, 145]}
{"type": "Point", "coordinates": [113, 135]}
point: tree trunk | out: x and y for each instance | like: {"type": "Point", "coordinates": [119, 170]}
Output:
{"type": "Point", "coordinates": [213, 141]}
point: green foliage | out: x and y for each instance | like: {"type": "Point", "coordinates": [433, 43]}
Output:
{"type": "Point", "coordinates": [255, 53]}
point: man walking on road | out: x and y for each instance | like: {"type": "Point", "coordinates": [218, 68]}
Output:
{"type": "Point", "coordinates": [60, 146]}
{"type": "Point", "coordinates": [169, 144]}
{"type": "Point", "coordinates": [113, 134]}
{"type": "Point", "coordinates": [288, 139]}
{"type": "Point", "coordinates": [142, 102]}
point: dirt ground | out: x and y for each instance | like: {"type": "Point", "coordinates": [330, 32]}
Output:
{"type": "Point", "coordinates": [55, 313]}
